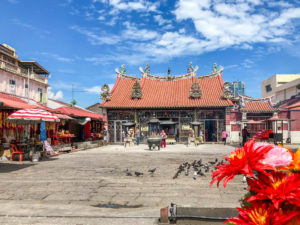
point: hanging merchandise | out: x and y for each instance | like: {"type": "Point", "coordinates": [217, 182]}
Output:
{"type": "Point", "coordinates": [1, 120]}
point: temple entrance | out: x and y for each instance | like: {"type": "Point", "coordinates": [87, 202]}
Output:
{"type": "Point", "coordinates": [115, 130]}
{"type": "Point", "coordinates": [210, 131]}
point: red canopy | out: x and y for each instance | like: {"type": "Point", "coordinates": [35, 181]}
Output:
{"type": "Point", "coordinates": [14, 102]}
{"type": "Point", "coordinates": [32, 116]}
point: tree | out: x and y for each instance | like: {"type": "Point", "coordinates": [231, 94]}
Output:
{"type": "Point", "coordinates": [73, 102]}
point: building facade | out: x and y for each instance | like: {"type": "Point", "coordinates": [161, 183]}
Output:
{"type": "Point", "coordinates": [238, 88]}
{"type": "Point", "coordinates": [176, 104]}
{"type": "Point", "coordinates": [26, 79]}
{"type": "Point", "coordinates": [281, 87]}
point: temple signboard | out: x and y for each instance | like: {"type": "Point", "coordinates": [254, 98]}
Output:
{"type": "Point", "coordinates": [145, 129]}
{"type": "Point", "coordinates": [185, 127]}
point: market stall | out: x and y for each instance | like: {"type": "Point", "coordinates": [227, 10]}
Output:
{"type": "Point", "coordinates": [30, 118]}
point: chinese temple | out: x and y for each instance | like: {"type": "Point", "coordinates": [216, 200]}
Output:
{"type": "Point", "coordinates": [176, 104]}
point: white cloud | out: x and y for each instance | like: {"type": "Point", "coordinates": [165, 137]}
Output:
{"type": "Point", "coordinates": [160, 20]}
{"type": "Point", "coordinates": [57, 57]}
{"type": "Point", "coordinates": [232, 23]}
{"type": "Point", "coordinates": [132, 32]}
{"type": "Point", "coordinates": [279, 4]}
{"type": "Point", "coordinates": [218, 24]}
{"type": "Point", "coordinates": [247, 63]}
{"type": "Point", "coordinates": [181, 31]}
{"type": "Point", "coordinates": [63, 85]}
{"type": "Point", "coordinates": [96, 39]}
{"type": "Point", "coordinates": [56, 96]}
{"type": "Point", "coordinates": [138, 5]}
{"type": "Point", "coordinates": [95, 89]}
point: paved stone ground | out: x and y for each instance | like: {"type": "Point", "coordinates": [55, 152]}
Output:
{"type": "Point", "coordinates": [68, 189]}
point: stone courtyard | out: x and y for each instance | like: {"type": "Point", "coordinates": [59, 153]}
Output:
{"type": "Point", "coordinates": [91, 186]}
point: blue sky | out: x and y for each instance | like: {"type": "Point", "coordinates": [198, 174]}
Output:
{"type": "Point", "coordinates": [82, 42]}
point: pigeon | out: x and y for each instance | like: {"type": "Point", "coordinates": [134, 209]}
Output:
{"type": "Point", "coordinates": [206, 170]}
{"type": "Point", "coordinates": [195, 175]}
{"type": "Point", "coordinates": [212, 162]}
{"type": "Point", "coordinates": [128, 173]}
{"type": "Point", "coordinates": [200, 173]}
{"type": "Point", "coordinates": [244, 179]}
{"type": "Point", "coordinates": [186, 172]}
{"type": "Point", "coordinates": [152, 171]}
{"type": "Point", "coordinates": [176, 174]}
{"type": "Point", "coordinates": [138, 173]}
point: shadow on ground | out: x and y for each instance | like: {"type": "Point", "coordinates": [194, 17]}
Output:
{"type": "Point", "coordinates": [8, 167]}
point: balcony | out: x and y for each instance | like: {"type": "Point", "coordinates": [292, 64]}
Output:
{"type": "Point", "coordinates": [12, 68]}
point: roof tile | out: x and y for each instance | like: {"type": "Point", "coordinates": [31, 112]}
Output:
{"type": "Point", "coordinates": [167, 94]}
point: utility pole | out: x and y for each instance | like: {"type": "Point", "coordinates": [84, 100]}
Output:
{"type": "Point", "coordinates": [72, 92]}
{"type": "Point", "coordinates": [28, 74]}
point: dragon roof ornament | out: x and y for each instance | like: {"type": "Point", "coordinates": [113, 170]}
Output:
{"type": "Point", "coordinates": [192, 70]}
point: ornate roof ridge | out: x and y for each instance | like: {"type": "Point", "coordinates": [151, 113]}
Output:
{"type": "Point", "coordinates": [121, 75]}
{"type": "Point", "coordinates": [213, 74]}
{"type": "Point", "coordinates": [168, 78]}
{"type": "Point", "coordinates": [248, 98]}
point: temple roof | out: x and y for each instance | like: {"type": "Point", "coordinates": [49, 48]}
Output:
{"type": "Point", "coordinates": [291, 104]}
{"type": "Point", "coordinates": [167, 92]}
{"type": "Point", "coordinates": [250, 104]}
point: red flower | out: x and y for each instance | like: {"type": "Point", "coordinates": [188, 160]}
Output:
{"type": "Point", "coordinates": [243, 160]}
{"type": "Point", "coordinates": [282, 188]}
{"type": "Point", "coordinates": [262, 214]}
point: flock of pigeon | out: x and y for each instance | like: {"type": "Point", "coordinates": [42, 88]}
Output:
{"type": "Point", "coordinates": [197, 167]}
{"type": "Point", "coordinates": [136, 173]}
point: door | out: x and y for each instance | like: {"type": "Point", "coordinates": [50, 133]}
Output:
{"type": "Point", "coordinates": [210, 130]}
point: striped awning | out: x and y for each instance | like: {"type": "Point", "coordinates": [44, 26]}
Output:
{"type": "Point", "coordinates": [26, 116]}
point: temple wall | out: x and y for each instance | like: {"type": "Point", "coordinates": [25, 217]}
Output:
{"type": "Point", "coordinates": [211, 122]}
{"type": "Point", "coordinates": [295, 137]}
{"type": "Point", "coordinates": [235, 137]}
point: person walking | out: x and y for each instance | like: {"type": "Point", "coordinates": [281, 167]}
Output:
{"type": "Point", "coordinates": [137, 133]}
{"type": "Point", "coordinates": [224, 136]}
{"type": "Point", "coordinates": [244, 135]}
{"type": "Point", "coordinates": [163, 139]}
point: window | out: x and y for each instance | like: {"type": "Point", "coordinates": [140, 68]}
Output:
{"type": "Point", "coordinates": [268, 88]}
{"type": "Point", "coordinates": [12, 82]}
{"type": "Point", "coordinates": [12, 87]}
{"type": "Point", "coordinates": [26, 85]}
{"type": "Point", "coordinates": [40, 90]}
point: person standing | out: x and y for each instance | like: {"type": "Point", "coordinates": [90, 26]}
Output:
{"type": "Point", "coordinates": [163, 139]}
{"type": "Point", "coordinates": [104, 135]}
{"type": "Point", "coordinates": [244, 135]}
{"type": "Point", "coordinates": [137, 132]}
{"type": "Point", "coordinates": [123, 135]}
{"type": "Point", "coordinates": [201, 136]}
{"type": "Point", "coordinates": [224, 136]}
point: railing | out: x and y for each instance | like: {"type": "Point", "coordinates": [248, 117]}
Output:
{"type": "Point", "coordinates": [21, 71]}
{"type": "Point", "coordinates": [9, 66]}
{"type": "Point", "coordinates": [39, 78]}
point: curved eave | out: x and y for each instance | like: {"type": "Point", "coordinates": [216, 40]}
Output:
{"type": "Point", "coordinates": [258, 111]}
{"type": "Point", "coordinates": [164, 107]}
